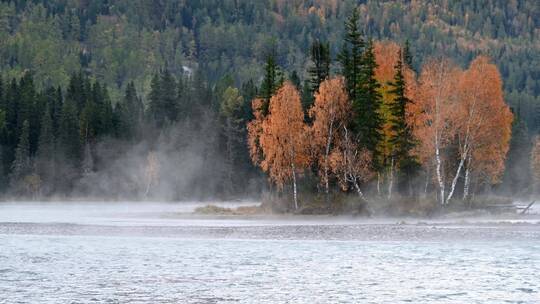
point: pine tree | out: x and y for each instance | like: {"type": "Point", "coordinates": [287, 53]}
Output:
{"type": "Point", "coordinates": [163, 99]}
{"type": "Point", "coordinates": [133, 111]}
{"type": "Point", "coordinates": [106, 113]}
{"type": "Point", "coordinates": [76, 91]}
{"type": "Point", "coordinates": [402, 139]}
{"type": "Point", "coordinates": [46, 156]}
{"type": "Point", "coordinates": [295, 79]}
{"type": "Point", "coordinates": [22, 165]}
{"type": "Point", "coordinates": [26, 103]}
{"type": "Point", "coordinates": [271, 82]}
{"type": "Point", "coordinates": [351, 56]}
{"type": "Point", "coordinates": [307, 98]}
{"type": "Point", "coordinates": [407, 56]}
{"type": "Point", "coordinates": [154, 98]}
{"type": "Point", "coordinates": [366, 106]}
{"type": "Point", "coordinates": [11, 136]}
{"type": "Point", "coordinates": [69, 140]}
{"type": "Point", "coordinates": [320, 70]}
{"type": "Point", "coordinates": [46, 136]}
{"type": "Point", "coordinates": [168, 97]}
{"type": "Point", "coordinates": [56, 103]}
{"type": "Point", "coordinates": [249, 92]}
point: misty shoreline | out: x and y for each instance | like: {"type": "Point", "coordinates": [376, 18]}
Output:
{"type": "Point", "coordinates": [178, 220]}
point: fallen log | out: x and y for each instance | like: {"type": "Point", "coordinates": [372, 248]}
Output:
{"type": "Point", "coordinates": [528, 207]}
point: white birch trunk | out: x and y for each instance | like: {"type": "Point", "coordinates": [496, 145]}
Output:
{"type": "Point", "coordinates": [454, 181]}
{"type": "Point", "coordinates": [326, 153]}
{"type": "Point", "coordinates": [358, 190]}
{"type": "Point", "coordinates": [294, 188]}
{"type": "Point", "coordinates": [438, 171]}
{"type": "Point", "coordinates": [391, 179]}
{"type": "Point", "coordinates": [466, 185]}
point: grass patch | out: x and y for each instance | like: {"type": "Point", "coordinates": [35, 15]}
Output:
{"type": "Point", "coordinates": [217, 210]}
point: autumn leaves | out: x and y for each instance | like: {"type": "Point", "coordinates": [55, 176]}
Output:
{"type": "Point", "coordinates": [462, 124]}
{"type": "Point", "coordinates": [284, 146]}
{"type": "Point", "coordinates": [379, 122]}
{"type": "Point", "coordinates": [457, 118]}
{"type": "Point", "coordinates": [280, 137]}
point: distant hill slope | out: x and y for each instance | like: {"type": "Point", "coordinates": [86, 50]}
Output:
{"type": "Point", "coordinates": [121, 40]}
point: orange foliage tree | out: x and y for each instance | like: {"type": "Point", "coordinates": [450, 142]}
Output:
{"type": "Point", "coordinates": [329, 113]}
{"type": "Point", "coordinates": [278, 142]}
{"type": "Point", "coordinates": [464, 110]}
{"type": "Point", "coordinates": [351, 163]}
{"type": "Point", "coordinates": [254, 128]}
{"type": "Point", "coordinates": [484, 123]}
{"type": "Point", "coordinates": [433, 116]}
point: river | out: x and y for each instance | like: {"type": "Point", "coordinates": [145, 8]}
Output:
{"type": "Point", "coordinates": [159, 253]}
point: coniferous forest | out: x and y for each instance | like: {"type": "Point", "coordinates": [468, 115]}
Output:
{"type": "Point", "coordinates": [298, 101]}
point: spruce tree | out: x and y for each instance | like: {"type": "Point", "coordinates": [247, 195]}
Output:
{"type": "Point", "coordinates": [26, 102]}
{"type": "Point", "coordinates": [22, 165]}
{"type": "Point", "coordinates": [407, 56]}
{"type": "Point", "coordinates": [163, 99]}
{"type": "Point", "coordinates": [367, 121]}
{"type": "Point", "coordinates": [307, 98]}
{"type": "Point", "coordinates": [56, 103]}
{"type": "Point", "coordinates": [154, 98]}
{"type": "Point", "coordinates": [128, 114]}
{"type": "Point", "coordinates": [320, 69]}
{"type": "Point", "coordinates": [76, 91]}
{"type": "Point", "coordinates": [106, 113]}
{"type": "Point", "coordinates": [134, 108]}
{"type": "Point", "coordinates": [69, 140]}
{"type": "Point", "coordinates": [271, 82]}
{"type": "Point", "coordinates": [46, 136]}
{"type": "Point", "coordinates": [11, 136]}
{"type": "Point", "coordinates": [351, 55]}
{"type": "Point", "coordinates": [295, 79]}
{"type": "Point", "coordinates": [249, 92]}
{"type": "Point", "coordinates": [46, 156]}
{"type": "Point", "coordinates": [402, 139]}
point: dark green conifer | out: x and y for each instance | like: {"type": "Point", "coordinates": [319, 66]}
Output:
{"type": "Point", "coordinates": [22, 164]}
{"type": "Point", "coordinates": [320, 68]}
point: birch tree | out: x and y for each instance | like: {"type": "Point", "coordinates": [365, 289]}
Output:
{"type": "Point", "coordinates": [435, 121]}
{"type": "Point", "coordinates": [329, 114]}
{"type": "Point", "coordinates": [282, 139]}
{"type": "Point", "coordinates": [351, 163]}
{"type": "Point", "coordinates": [484, 124]}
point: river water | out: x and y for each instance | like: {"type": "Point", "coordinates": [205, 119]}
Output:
{"type": "Point", "coordinates": [155, 253]}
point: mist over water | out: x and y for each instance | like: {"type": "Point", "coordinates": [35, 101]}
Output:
{"type": "Point", "coordinates": [163, 253]}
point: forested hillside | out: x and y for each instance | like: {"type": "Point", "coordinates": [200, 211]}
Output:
{"type": "Point", "coordinates": [117, 41]}
{"type": "Point", "coordinates": [139, 98]}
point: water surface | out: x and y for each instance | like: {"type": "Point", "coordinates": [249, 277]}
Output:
{"type": "Point", "coordinates": [146, 255]}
